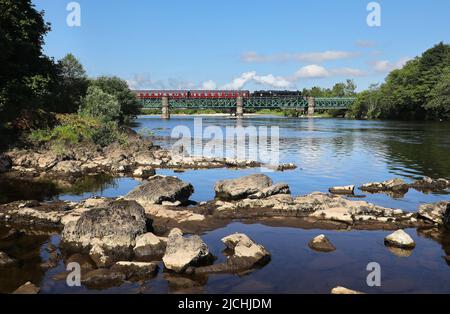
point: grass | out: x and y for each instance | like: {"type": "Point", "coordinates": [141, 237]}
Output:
{"type": "Point", "coordinates": [73, 129]}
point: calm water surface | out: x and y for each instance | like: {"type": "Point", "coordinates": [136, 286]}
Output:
{"type": "Point", "coordinates": [328, 152]}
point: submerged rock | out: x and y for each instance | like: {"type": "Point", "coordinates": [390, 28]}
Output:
{"type": "Point", "coordinates": [438, 213]}
{"type": "Point", "coordinates": [345, 190]}
{"type": "Point", "coordinates": [400, 239]}
{"type": "Point", "coordinates": [148, 245]}
{"type": "Point", "coordinates": [321, 243]}
{"type": "Point", "coordinates": [135, 271]}
{"type": "Point", "coordinates": [5, 260]}
{"type": "Point", "coordinates": [241, 188]}
{"type": "Point", "coordinates": [27, 288]}
{"type": "Point", "coordinates": [103, 278]}
{"type": "Point", "coordinates": [396, 186]}
{"type": "Point", "coordinates": [342, 290]}
{"type": "Point", "coordinates": [182, 252]}
{"type": "Point", "coordinates": [161, 188]}
{"type": "Point", "coordinates": [108, 231]}
{"type": "Point", "coordinates": [429, 184]}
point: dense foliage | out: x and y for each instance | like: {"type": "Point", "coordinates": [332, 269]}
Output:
{"type": "Point", "coordinates": [26, 75]}
{"type": "Point", "coordinates": [420, 90]}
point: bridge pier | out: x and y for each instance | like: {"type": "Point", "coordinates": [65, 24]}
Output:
{"type": "Point", "coordinates": [311, 106]}
{"type": "Point", "coordinates": [239, 107]}
{"type": "Point", "coordinates": [165, 109]}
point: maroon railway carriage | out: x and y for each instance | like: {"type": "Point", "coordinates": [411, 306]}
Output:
{"type": "Point", "coordinates": [197, 94]}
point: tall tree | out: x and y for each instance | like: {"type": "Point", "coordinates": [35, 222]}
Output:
{"type": "Point", "coordinates": [72, 85]}
{"type": "Point", "coordinates": [25, 73]}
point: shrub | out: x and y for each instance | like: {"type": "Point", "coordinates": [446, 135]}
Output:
{"type": "Point", "coordinates": [100, 105]}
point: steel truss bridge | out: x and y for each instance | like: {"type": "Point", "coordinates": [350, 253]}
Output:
{"type": "Point", "coordinates": [285, 102]}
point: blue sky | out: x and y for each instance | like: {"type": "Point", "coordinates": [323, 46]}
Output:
{"type": "Point", "coordinates": [249, 44]}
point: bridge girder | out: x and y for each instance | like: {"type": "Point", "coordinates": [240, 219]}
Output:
{"type": "Point", "coordinates": [250, 103]}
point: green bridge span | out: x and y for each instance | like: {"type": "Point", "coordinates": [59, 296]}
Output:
{"type": "Point", "coordinates": [237, 105]}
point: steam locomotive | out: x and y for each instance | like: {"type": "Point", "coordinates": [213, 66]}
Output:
{"type": "Point", "coordinates": [212, 94]}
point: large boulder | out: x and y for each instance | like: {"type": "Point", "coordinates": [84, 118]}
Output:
{"type": "Point", "coordinates": [241, 188]}
{"type": "Point", "coordinates": [159, 189]}
{"type": "Point", "coordinates": [438, 213]}
{"type": "Point", "coordinates": [182, 252]}
{"type": "Point", "coordinates": [109, 230]}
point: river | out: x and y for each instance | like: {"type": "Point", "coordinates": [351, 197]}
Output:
{"type": "Point", "coordinates": [328, 152]}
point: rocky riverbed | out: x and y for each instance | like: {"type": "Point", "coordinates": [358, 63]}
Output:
{"type": "Point", "coordinates": [122, 239]}
{"type": "Point", "coordinates": [156, 229]}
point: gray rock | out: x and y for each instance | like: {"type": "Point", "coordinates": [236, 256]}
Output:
{"type": "Point", "coordinates": [182, 252]}
{"type": "Point", "coordinates": [241, 188]}
{"type": "Point", "coordinates": [345, 190]}
{"type": "Point", "coordinates": [161, 188]}
{"type": "Point", "coordinates": [149, 246]}
{"type": "Point", "coordinates": [394, 185]}
{"type": "Point", "coordinates": [27, 288]}
{"type": "Point", "coordinates": [135, 271]}
{"type": "Point", "coordinates": [245, 255]}
{"type": "Point", "coordinates": [112, 228]}
{"type": "Point", "coordinates": [279, 188]}
{"type": "Point", "coordinates": [144, 172]}
{"type": "Point", "coordinates": [400, 239]}
{"type": "Point", "coordinates": [429, 184]}
{"type": "Point", "coordinates": [438, 213]}
{"type": "Point", "coordinates": [103, 278]}
{"type": "Point", "coordinates": [321, 243]}
{"type": "Point", "coordinates": [86, 264]}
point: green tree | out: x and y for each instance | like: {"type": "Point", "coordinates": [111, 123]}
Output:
{"type": "Point", "coordinates": [72, 85]}
{"type": "Point", "coordinates": [100, 105]}
{"type": "Point", "coordinates": [129, 105]}
{"type": "Point", "coordinates": [438, 105]}
{"type": "Point", "coordinates": [26, 75]}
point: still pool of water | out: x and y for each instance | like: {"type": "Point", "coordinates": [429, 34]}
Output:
{"type": "Point", "coordinates": [328, 152]}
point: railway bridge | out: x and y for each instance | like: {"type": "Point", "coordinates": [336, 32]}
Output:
{"type": "Point", "coordinates": [236, 102]}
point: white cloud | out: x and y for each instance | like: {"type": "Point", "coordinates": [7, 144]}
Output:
{"type": "Point", "coordinates": [311, 71]}
{"type": "Point", "coordinates": [273, 81]}
{"type": "Point", "coordinates": [386, 66]}
{"type": "Point", "coordinates": [314, 57]}
{"type": "Point", "coordinates": [240, 81]}
{"type": "Point", "coordinates": [209, 85]}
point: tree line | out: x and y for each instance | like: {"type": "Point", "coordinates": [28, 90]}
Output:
{"type": "Point", "coordinates": [30, 80]}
